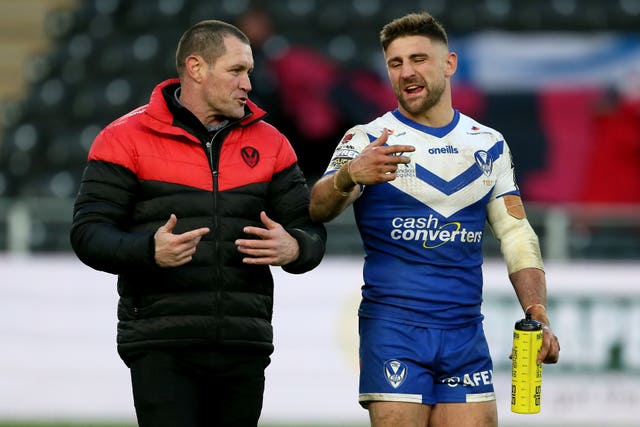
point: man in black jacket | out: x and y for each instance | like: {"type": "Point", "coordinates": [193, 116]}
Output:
{"type": "Point", "coordinates": [189, 200]}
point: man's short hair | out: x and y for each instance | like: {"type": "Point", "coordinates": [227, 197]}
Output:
{"type": "Point", "coordinates": [413, 24]}
{"type": "Point", "coordinates": [206, 38]}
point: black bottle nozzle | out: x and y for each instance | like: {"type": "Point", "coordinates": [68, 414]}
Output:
{"type": "Point", "coordinates": [528, 324]}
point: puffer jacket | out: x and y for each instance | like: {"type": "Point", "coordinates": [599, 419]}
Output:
{"type": "Point", "coordinates": [158, 160]}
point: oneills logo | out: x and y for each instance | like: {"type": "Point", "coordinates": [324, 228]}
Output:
{"type": "Point", "coordinates": [395, 371]}
{"type": "Point", "coordinates": [250, 156]}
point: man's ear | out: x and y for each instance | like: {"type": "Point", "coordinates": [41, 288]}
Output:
{"type": "Point", "coordinates": [195, 66]}
{"type": "Point", "coordinates": [452, 64]}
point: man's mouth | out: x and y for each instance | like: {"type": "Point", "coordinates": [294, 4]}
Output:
{"type": "Point", "coordinates": [411, 89]}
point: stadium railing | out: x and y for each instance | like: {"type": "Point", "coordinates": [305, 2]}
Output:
{"type": "Point", "coordinates": [566, 232]}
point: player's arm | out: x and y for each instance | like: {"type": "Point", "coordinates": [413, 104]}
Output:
{"type": "Point", "coordinates": [376, 164]}
{"type": "Point", "coordinates": [332, 194]}
{"type": "Point", "coordinates": [521, 250]}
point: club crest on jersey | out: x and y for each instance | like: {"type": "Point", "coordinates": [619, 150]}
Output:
{"type": "Point", "coordinates": [395, 371]}
{"type": "Point", "coordinates": [484, 161]}
{"type": "Point", "coordinates": [250, 155]}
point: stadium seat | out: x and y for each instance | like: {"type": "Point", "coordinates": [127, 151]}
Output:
{"type": "Point", "coordinates": [109, 54]}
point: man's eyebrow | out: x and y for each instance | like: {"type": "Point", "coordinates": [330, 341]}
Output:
{"type": "Point", "coordinates": [412, 56]}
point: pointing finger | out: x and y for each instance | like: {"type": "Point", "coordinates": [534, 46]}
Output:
{"type": "Point", "coordinates": [382, 139]}
{"type": "Point", "coordinates": [194, 234]}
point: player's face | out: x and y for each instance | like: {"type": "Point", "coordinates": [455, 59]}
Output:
{"type": "Point", "coordinates": [418, 70]}
{"type": "Point", "coordinates": [226, 83]}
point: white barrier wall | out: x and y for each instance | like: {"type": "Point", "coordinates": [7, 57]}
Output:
{"type": "Point", "coordinates": [58, 358]}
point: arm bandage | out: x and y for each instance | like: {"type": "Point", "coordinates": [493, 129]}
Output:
{"type": "Point", "coordinates": [518, 242]}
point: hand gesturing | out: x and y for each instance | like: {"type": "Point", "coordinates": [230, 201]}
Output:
{"type": "Point", "coordinates": [273, 246]}
{"type": "Point", "coordinates": [173, 250]}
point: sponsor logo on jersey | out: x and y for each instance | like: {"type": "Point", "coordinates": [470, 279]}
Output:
{"type": "Point", "coordinates": [408, 171]}
{"type": "Point", "coordinates": [475, 130]}
{"type": "Point", "coordinates": [431, 232]}
{"type": "Point", "coordinates": [345, 153]}
{"type": "Point", "coordinates": [337, 163]}
{"type": "Point", "coordinates": [341, 156]}
{"type": "Point", "coordinates": [449, 149]}
{"type": "Point", "coordinates": [395, 371]}
{"type": "Point", "coordinates": [392, 132]}
{"type": "Point", "coordinates": [472, 379]}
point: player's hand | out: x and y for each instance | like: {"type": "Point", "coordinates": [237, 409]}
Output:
{"type": "Point", "coordinates": [273, 245]}
{"type": "Point", "coordinates": [378, 163]}
{"type": "Point", "coordinates": [550, 351]}
{"type": "Point", "coordinates": [173, 250]}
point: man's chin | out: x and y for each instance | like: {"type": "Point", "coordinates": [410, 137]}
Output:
{"type": "Point", "coordinates": [413, 107]}
{"type": "Point", "coordinates": [236, 114]}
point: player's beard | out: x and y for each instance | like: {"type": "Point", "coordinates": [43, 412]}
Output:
{"type": "Point", "coordinates": [417, 107]}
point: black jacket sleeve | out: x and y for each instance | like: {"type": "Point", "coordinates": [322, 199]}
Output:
{"type": "Point", "coordinates": [101, 214]}
{"type": "Point", "coordinates": [290, 205]}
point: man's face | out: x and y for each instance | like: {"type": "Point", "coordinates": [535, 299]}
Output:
{"type": "Point", "coordinates": [226, 83]}
{"type": "Point", "coordinates": [418, 70]}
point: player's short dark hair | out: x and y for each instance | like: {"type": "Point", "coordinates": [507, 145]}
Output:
{"type": "Point", "coordinates": [206, 38]}
{"type": "Point", "coordinates": [413, 24]}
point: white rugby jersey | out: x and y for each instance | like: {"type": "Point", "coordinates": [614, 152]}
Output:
{"type": "Point", "coordinates": [422, 232]}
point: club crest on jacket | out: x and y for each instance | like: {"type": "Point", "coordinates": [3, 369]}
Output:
{"type": "Point", "coordinates": [250, 155]}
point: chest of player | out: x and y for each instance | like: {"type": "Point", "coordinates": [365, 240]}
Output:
{"type": "Point", "coordinates": [445, 175]}
{"type": "Point", "coordinates": [448, 165]}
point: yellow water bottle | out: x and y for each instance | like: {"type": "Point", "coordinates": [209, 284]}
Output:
{"type": "Point", "coordinates": [526, 373]}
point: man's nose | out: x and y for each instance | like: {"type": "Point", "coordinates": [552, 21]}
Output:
{"type": "Point", "coordinates": [407, 70]}
{"type": "Point", "coordinates": [245, 83]}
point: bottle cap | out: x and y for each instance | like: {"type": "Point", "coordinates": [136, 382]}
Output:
{"type": "Point", "coordinates": [528, 324]}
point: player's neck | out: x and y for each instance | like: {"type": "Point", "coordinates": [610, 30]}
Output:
{"type": "Point", "coordinates": [439, 115]}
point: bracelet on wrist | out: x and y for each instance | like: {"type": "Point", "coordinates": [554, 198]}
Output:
{"type": "Point", "coordinates": [541, 312]}
{"type": "Point", "coordinates": [349, 172]}
{"type": "Point", "coordinates": [541, 306]}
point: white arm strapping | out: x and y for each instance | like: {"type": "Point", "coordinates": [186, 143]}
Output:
{"type": "Point", "coordinates": [518, 241]}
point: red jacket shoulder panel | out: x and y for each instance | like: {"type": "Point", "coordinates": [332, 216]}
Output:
{"type": "Point", "coordinates": [152, 155]}
{"type": "Point", "coordinates": [253, 154]}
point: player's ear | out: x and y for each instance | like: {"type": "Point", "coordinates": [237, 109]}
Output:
{"type": "Point", "coordinates": [451, 64]}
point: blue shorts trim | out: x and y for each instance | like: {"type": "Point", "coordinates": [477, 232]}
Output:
{"type": "Point", "coordinates": [407, 363]}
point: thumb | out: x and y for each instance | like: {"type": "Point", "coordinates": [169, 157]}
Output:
{"type": "Point", "coordinates": [268, 222]}
{"type": "Point", "coordinates": [382, 139]}
{"type": "Point", "coordinates": [170, 224]}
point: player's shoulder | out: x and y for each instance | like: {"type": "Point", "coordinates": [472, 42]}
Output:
{"type": "Point", "coordinates": [471, 126]}
{"type": "Point", "coordinates": [363, 133]}
{"type": "Point", "coordinates": [375, 127]}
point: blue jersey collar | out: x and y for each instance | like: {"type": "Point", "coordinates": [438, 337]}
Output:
{"type": "Point", "coordinates": [438, 132]}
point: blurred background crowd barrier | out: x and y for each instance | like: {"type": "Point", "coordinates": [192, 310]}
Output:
{"type": "Point", "coordinates": [559, 78]}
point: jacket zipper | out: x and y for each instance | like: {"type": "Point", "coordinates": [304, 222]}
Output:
{"type": "Point", "coordinates": [213, 151]}
{"type": "Point", "coordinates": [213, 154]}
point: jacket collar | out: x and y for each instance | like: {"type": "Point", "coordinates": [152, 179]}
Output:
{"type": "Point", "coordinates": [159, 109]}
